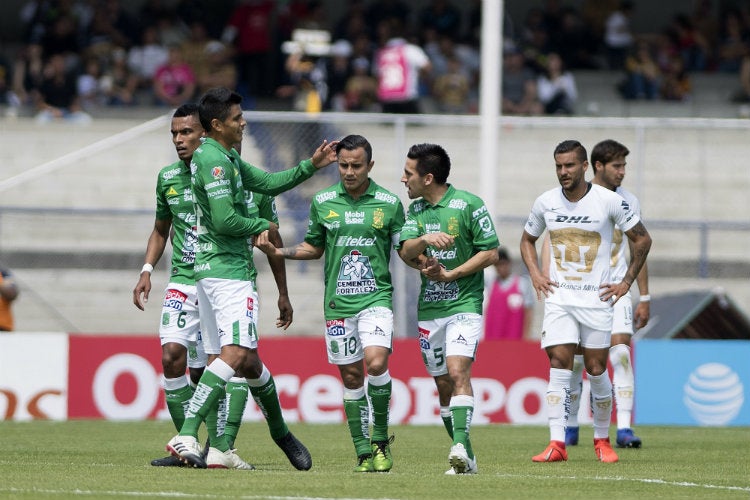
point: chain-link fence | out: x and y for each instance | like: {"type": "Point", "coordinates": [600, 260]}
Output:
{"type": "Point", "coordinates": [76, 204]}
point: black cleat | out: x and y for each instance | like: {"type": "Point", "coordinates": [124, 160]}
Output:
{"type": "Point", "coordinates": [169, 461]}
{"type": "Point", "coordinates": [295, 451]}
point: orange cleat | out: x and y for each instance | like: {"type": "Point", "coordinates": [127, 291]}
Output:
{"type": "Point", "coordinates": [555, 452]}
{"type": "Point", "coordinates": [604, 451]}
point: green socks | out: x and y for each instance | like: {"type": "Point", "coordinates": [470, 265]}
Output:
{"type": "Point", "coordinates": [357, 412]}
{"type": "Point", "coordinates": [264, 393]}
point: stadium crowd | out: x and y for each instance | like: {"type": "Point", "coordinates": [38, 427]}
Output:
{"type": "Point", "coordinates": [80, 55]}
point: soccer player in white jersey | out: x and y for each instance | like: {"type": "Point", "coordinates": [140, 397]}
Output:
{"type": "Point", "coordinates": [581, 218]}
{"type": "Point", "coordinates": [608, 161]}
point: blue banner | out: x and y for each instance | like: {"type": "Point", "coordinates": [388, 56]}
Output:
{"type": "Point", "coordinates": [692, 382]}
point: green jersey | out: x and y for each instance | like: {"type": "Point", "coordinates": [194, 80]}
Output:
{"type": "Point", "coordinates": [465, 217]}
{"type": "Point", "coordinates": [263, 206]}
{"type": "Point", "coordinates": [357, 236]}
{"type": "Point", "coordinates": [174, 202]}
{"type": "Point", "coordinates": [222, 223]}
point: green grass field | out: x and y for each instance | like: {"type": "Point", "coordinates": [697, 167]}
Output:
{"type": "Point", "coordinates": [99, 459]}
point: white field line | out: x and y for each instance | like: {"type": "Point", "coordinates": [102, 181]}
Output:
{"type": "Point", "coordinates": [165, 494]}
{"type": "Point", "coordinates": [682, 484]}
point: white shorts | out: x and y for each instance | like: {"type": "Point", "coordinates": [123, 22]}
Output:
{"type": "Point", "coordinates": [228, 313]}
{"type": "Point", "coordinates": [622, 322]}
{"type": "Point", "coordinates": [347, 338]}
{"type": "Point", "coordinates": [180, 321]}
{"type": "Point", "coordinates": [590, 327]}
{"type": "Point", "coordinates": [197, 357]}
{"type": "Point", "coordinates": [456, 335]}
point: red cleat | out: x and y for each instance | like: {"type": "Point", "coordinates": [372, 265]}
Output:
{"type": "Point", "coordinates": [604, 451]}
{"type": "Point", "coordinates": [555, 452]}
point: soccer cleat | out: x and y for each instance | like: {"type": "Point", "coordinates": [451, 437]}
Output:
{"type": "Point", "coordinates": [364, 464]}
{"type": "Point", "coordinates": [187, 449]}
{"type": "Point", "coordinates": [626, 439]}
{"type": "Point", "coordinates": [460, 461]}
{"type": "Point", "coordinates": [229, 459]}
{"type": "Point", "coordinates": [170, 461]}
{"type": "Point", "coordinates": [295, 451]}
{"type": "Point", "coordinates": [604, 451]}
{"type": "Point", "coordinates": [571, 436]}
{"type": "Point", "coordinates": [554, 452]}
{"type": "Point", "coordinates": [382, 460]}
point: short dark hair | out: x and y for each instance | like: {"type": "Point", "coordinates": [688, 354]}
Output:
{"type": "Point", "coordinates": [606, 151]}
{"type": "Point", "coordinates": [187, 109]}
{"type": "Point", "coordinates": [569, 146]}
{"type": "Point", "coordinates": [502, 253]}
{"type": "Point", "coordinates": [354, 141]}
{"type": "Point", "coordinates": [215, 104]}
{"type": "Point", "coordinates": [431, 159]}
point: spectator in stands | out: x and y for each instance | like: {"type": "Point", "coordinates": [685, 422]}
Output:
{"type": "Point", "coordinates": [146, 58]}
{"type": "Point", "coordinates": [642, 74]}
{"type": "Point", "coordinates": [90, 84]}
{"type": "Point", "coordinates": [452, 89]}
{"type": "Point", "coordinates": [618, 35]}
{"type": "Point", "coordinates": [734, 44]}
{"type": "Point", "coordinates": [219, 70]}
{"type": "Point", "coordinates": [249, 30]}
{"type": "Point", "coordinates": [120, 83]}
{"type": "Point", "coordinates": [362, 88]}
{"type": "Point", "coordinates": [398, 67]}
{"type": "Point", "coordinates": [557, 87]}
{"type": "Point", "coordinates": [8, 293]}
{"type": "Point", "coordinates": [691, 44]}
{"type": "Point", "coordinates": [28, 73]}
{"type": "Point", "coordinates": [57, 96]}
{"type": "Point", "coordinates": [576, 42]}
{"type": "Point", "coordinates": [174, 81]}
{"type": "Point", "coordinates": [338, 70]}
{"type": "Point", "coordinates": [194, 47]}
{"type": "Point", "coordinates": [519, 85]}
{"type": "Point", "coordinates": [675, 85]}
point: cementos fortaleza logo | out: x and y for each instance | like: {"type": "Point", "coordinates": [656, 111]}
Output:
{"type": "Point", "coordinates": [713, 394]}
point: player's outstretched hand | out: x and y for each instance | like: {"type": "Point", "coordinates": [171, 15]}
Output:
{"type": "Point", "coordinates": [325, 154]}
{"type": "Point", "coordinates": [263, 243]}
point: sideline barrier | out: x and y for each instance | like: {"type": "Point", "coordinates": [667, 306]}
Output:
{"type": "Point", "coordinates": [119, 378]}
{"type": "Point", "coordinates": [682, 382]}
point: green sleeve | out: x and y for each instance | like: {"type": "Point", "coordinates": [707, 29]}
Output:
{"type": "Point", "coordinates": [223, 207]}
{"type": "Point", "coordinates": [259, 181]}
{"type": "Point", "coordinates": [316, 232]}
{"type": "Point", "coordinates": [267, 208]}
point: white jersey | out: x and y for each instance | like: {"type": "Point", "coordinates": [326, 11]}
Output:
{"type": "Point", "coordinates": [619, 262]}
{"type": "Point", "coordinates": [580, 241]}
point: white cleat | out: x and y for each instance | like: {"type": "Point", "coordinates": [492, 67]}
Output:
{"type": "Point", "coordinates": [460, 461]}
{"type": "Point", "coordinates": [226, 460]}
{"type": "Point", "coordinates": [187, 449]}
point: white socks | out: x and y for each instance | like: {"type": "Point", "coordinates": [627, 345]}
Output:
{"type": "Point", "coordinates": [624, 382]}
{"type": "Point", "coordinates": [558, 402]}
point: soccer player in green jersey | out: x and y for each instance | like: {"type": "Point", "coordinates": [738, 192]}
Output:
{"type": "Point", "coordinates": [451, 234]}
{"type": "Point", "coordinates": [180, 329]}
{"type": "Point", "coordinates": [227, 299]}
{"type": "Point", "coordinates": [356, 223]}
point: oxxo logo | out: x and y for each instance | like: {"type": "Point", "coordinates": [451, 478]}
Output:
{"type": "Point", "coordinates": [317, 399]}
{"type": "Point", "coordinates": [33, 407]}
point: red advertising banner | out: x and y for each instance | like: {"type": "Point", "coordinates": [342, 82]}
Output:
{"type": "Point", "coordinates": [119, 378]}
